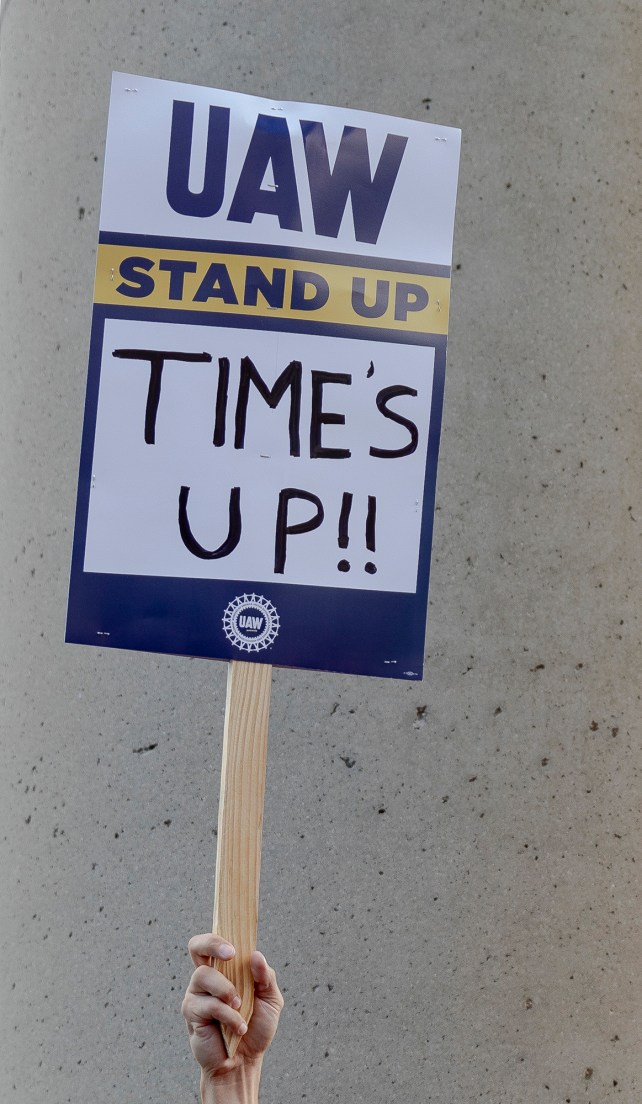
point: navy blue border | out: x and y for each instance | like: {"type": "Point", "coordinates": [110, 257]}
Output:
{"type": "Point", "coordinates": [250, 249]}
{"type": "Point", "coordinates": [262, 322]}
{"type": "Point", "coordinates": [321, 628]}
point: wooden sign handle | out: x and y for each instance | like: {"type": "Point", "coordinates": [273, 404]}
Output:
{"type": "Point", "coordinates": [240, 825]}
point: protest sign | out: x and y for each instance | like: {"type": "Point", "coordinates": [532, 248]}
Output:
{"type": "Point", "coordinates": [265, 381]}
{"type": "Point", "coordinates": [264, 395]}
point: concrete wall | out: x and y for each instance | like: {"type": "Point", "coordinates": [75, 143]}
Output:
{"type": "Point", "coordinates": [455, 916]}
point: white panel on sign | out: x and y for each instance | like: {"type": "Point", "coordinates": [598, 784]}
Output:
{"type": "Point", "coordinates": [133, 524]}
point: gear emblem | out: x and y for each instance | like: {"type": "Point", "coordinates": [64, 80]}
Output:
{"type": "Point", "coordinates": [251, 623]}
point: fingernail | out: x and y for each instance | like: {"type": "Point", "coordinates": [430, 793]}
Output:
{"type": "Point", "coordinates": [226, 950]}
{"type": "Point", "coordinates": [236, 1003]}
{"type": "Point", "coordinates": [242, 1028]}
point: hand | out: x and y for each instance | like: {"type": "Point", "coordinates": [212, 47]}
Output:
{"type": "Point", "coordinates": [211, 999]}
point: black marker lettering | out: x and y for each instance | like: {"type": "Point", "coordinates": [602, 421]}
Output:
{"type": "Point", "coordinates": [290, 377]}
{"type": "Point", "coordinates": [233, 534]}
{"type": "Point", "coordinates": [221, 401]}
{"type": "Point", "coordinates": [283, 530]}
{"type": "Point", "coordinates": [371, 521]}
{"type": "Point", "coordinates": [344, 518]}
{"type": "Point", "coordinates": [319, 417]}
{"type": "Point", "coordinates": [157, 360]}
{"type": "Point", "coordinates": [382, 400]}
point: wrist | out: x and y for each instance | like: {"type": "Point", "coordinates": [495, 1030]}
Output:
{"type": "Point", "coordinates": [236, 1086]}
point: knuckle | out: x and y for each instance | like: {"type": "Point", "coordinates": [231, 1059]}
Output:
{"type": "Point", "coordinates": [228, 991]}
{"type": "Point", "coordinates": [200, 975]}
{"type": "Point", "coordinates": [217, 1010]}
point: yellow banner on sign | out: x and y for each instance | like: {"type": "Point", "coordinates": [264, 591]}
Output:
{"type": "Point", "coordinates": [272, 287]}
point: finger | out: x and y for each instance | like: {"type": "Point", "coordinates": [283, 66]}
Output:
{"type": "Point", "coordinates": [265, 984]}
{"type": "Point", "coordinates": [204, 947]}
{"type": "Point", "coordinates": [212, 983]}
{"type": "Point", "coordinates": [200, 1010]}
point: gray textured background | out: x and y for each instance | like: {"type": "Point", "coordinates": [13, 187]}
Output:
{"type": "Point", "coordinates": [456, 916]}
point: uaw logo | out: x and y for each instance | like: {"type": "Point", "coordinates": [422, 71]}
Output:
{"type": "Point", "coordinates": [251, 623]}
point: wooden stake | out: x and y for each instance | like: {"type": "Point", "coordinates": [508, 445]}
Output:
{"type": "Point", "coordinates": [240, 825]}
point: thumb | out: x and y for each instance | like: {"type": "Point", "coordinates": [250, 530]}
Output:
{"type": "Point", "coordinates": [265, 984]}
